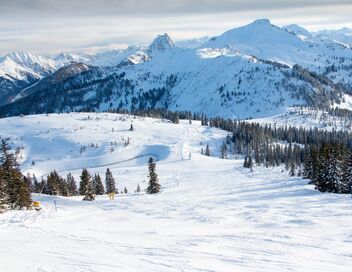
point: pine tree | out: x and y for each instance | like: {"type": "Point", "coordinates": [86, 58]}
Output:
{"type": "Point", "coordinates": [345, 186]}
{"type": "Point", "coordinates": [64, 189]}
{"type": "Point", "coordinates": [131, 128]}
{"type": "Point", "coordinates": [224, 150]}
{"type": "Point", "coordinates": [29, 181]}
{"type": "Point", "coordinates": [138, 190]}
{"type": "Point", "coordinates": [250, 162]}
{"type": "Point", "coordinates": [310, 163]}
{"type": "Point", "coordinates": [245, 163]}
{"type": "Point", "coordinates": [334, 172]}
{"type": "Point", "coordinates": [154, 186]}
{"type": "Point", "coordinates": [86, 186]}
{"type": "Point", "coordinates": [53, 182]}
{"type": "Point", "coordinates": [45, 189]}
{"type": "Point", "coordinates": [72, 186]}
{"type": "Point", "coordinates": [18, 193]}
{"type": "Point", "coordinates": [207, 151]}
{"type": "Point", "coordinates": [84, 180]}
{"type": "Point", "coordinates": [4, 198]}
{"type": "Point", "coordinates": [125, 190]}
{"type": "Point", "coordinates": [8, 164]}
{"type": "Point", "coordinates": [109, 182]}
{"type": "Point", "coordinates": [93, 184]}
{"type": "Point", "coordinates": [292, 168]}
{"type": "Point", "coordinates": [23, 192]}
{"type": "Point", "coordinates": [99, 187]}
{"type": "Point", "coordinates": [321, 169]}
{"type": "Point", "coordinates": [37, 186]}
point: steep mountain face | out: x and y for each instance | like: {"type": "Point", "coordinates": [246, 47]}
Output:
{"type": "Point", "coordinates": [161, 43]}
{"type": "Point", "coordinates": [18, 65]}
{"type": "Point", "coordinates": [61, 75]}
{"type": "Point", "coordinates": [10, 87]}
{"type": "Point", "coordinates": [252, 71]}
{"type": "Point", "coordinates": [19, 70]}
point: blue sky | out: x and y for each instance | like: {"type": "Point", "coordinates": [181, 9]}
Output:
{"type": "Point", "coordinates": [51, 26]}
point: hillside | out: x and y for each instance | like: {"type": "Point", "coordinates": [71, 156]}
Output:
{"type": "Point", "coordinates": [212, 214]}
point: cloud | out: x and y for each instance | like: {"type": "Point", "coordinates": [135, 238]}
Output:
{"type": "Point", "coordinates": [133, 7]}
{"type": "Point", "coordinates": [52, 26]}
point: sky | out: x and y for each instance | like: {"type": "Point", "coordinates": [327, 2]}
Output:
{"type": "Point", "coordinates": [53, 26]}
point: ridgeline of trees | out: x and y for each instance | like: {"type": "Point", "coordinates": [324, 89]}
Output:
{"type": "Point", "coordinates": [324, 157]}
{"type": "Point", "coordinates": [89, 185]}
{"type": "Point", "coordinates": [263, 144]}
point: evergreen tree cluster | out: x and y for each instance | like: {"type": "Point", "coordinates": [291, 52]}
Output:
{"type": "Point", "coordinates": [54, 184]}
{"type": "Point", "coordinates": [329, 167]}
{"type": "Point", "coordinates": [15, 190]}
{"type": "Point", "coordinates": [89, 186]}
{"type": "Point", "coordinates": [261, 142]}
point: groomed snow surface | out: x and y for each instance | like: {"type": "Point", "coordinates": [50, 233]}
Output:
{"type": "Point", "coordinates": [212, 214]}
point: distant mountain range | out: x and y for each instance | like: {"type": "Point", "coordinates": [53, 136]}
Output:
{"type": "Point", "coordinates": [252, 71]}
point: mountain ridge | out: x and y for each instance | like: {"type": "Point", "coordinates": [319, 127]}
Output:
{"type": "Point", "coordinates": [229, 75]}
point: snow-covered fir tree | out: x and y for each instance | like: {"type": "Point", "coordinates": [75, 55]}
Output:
{"type": "Point", "coordinates": [345, 185]}
{"type": "Point", "coordinates": [154, 186]}
{"type": "Point", "coordinates": [138, 190]}
{"type": "Point", "coordinates": [110, 185]}
{"type": "Point", "coordinates": [4, 197]}
{"type": "Point", "coordinates": [99, 187]}
{"type": "Point", "coordinates": [207, 151]}
{"type": "Point", "coordinates": [16, 192]}
{"type": "Point", "coordinates": [53, 183]}
{"type": "Point", "coordinates": [72, 186]}
{"type": "Point", "coordinates": [86, 186]}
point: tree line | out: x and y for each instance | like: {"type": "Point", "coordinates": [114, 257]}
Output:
{"type": "Point", "coordinates": [16, 188]}
{"type": "Point", "coordinates": [269, 145]}
{"type": "Point", "coordinates": [89, 185]}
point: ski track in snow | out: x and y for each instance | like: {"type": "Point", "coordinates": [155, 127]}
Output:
{"type": "Point", "coordinates": [212, 214]}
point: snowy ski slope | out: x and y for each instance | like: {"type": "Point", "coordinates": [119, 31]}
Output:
{"type": "Point", "coordinates": [212, 214]}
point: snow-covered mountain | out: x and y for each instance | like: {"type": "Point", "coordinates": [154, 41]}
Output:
{"type": "Point", "coordinates": [285, 45]}
{"type": "Point", "coordinates": [298, 31]}
{"type": "Point", "coordinates": [58, 77]}
{"type": "Point", "coordinates": [18, 65]}
{"type": "Point", "coordinates": [256, 70]}
{"type": "Point", "coordinates": [64, 59]}
{"type": "Point", "coordinates": [192, 43]}
{"type": "Point", "coordinates": [161, 43]}
{"type": "Point", "coordinates": [343, 35]}
{"type": "Point", "coordinates": [19, 70]}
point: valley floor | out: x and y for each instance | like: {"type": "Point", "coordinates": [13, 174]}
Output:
{"type": "Point", "coordinates": [212, 214]}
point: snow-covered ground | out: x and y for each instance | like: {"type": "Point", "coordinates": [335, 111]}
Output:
{"type": "Point", "coordinates": [212, 214]}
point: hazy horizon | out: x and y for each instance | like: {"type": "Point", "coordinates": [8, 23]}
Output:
{"type": "Point", "coordinates": [50, 27]}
